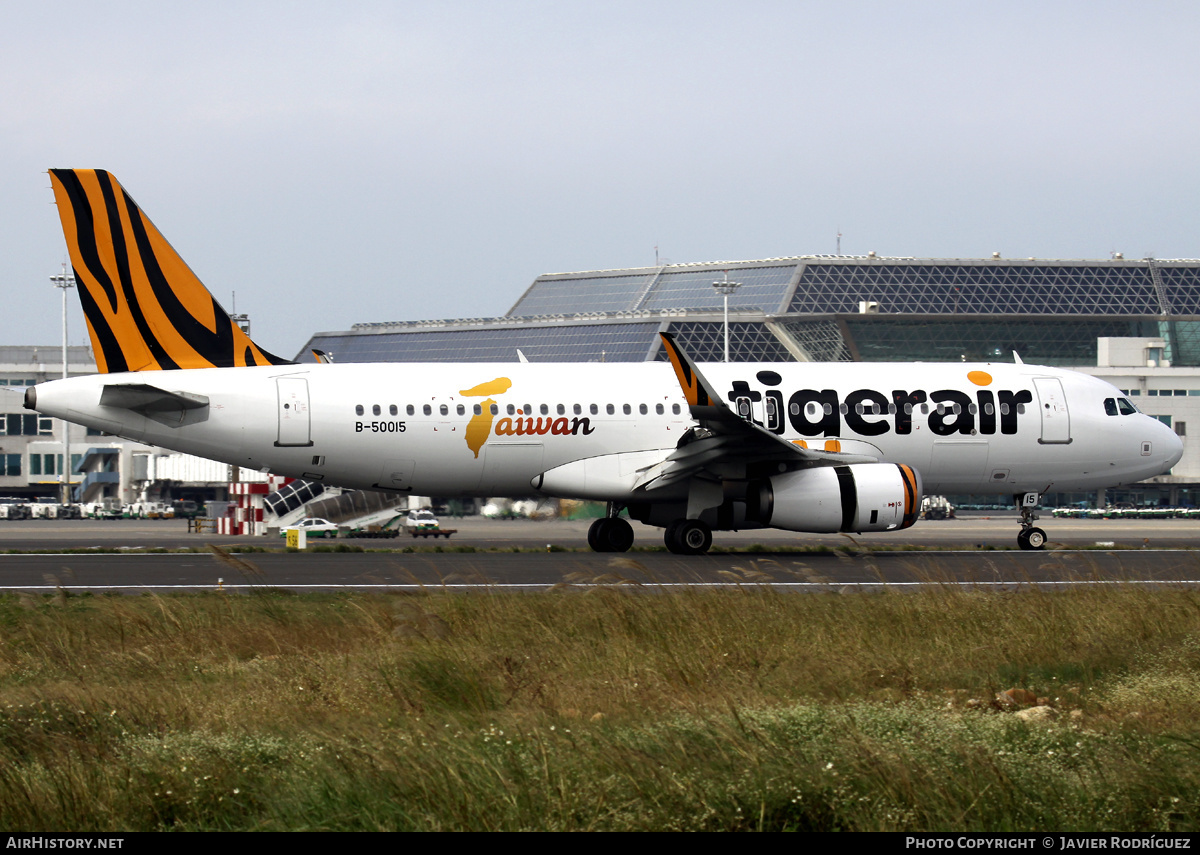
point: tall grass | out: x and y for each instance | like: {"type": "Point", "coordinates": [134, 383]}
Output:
{"type": "Point", "coordinates": [609, 708]}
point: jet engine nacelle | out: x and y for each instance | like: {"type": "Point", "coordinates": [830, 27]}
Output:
{"type": "Point", "coordinates": [857, 497]}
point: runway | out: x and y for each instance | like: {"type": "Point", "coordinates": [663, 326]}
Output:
{"type": "Point", "coordinates": [953, 556]}
{"type": "Point", "coordinates": [994, 530]}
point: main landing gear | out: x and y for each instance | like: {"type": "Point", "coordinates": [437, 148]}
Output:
{"type": "Point", "coordinates": [1031, 537]}
{"type": "Point", "coordinates": [610, 533]}
{"type": "Point", "coordinates": [688, 537]}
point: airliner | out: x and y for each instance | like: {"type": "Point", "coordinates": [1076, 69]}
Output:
{"type": "Point", "coordinates": [693, 449]}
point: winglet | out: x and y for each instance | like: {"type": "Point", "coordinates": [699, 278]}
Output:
{"type": "Point", "coordinates": [696, 389]}
{"type": "Point", "coordinates": [145, 308]}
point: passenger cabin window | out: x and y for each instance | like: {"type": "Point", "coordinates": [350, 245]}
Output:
{"type": "Point", "coordinates": [594, 409]}
{"type": "Point", "coordinates": [675, 409]}
{"type": "Point", "coordinates": [461, 410]}
{"type": "Point", "coordinates": [643, 409]}
{"type": "Point", "coordinates": [409, 409]}
{"type": "Point", "coordinates": [393, 410]}
{"type": "Point", "coordinates": [626, 409]}
{"type": "Point", "coordinates": [427, 410]}
{"type": "Point", "coordinates": [495, 409]}
{"type": "Point", "coordinates": [478, 409]}
{"type": "Point", "coordinates": [375, 410]}
{"type": "Point", "coordinates": [358, 409]}
{"type": "Point", "coordinates": [511, 410]}
{"type": "Point", "coordinates": [658, 408]}
{"type": "Point", "coordinates": [610, 409]}
{"type": "Point", "coordinates": [562, 409]}
{"type": "Point", "coordinates": [444, 410]}
{"type": "Point", "coordinates": [545, 409]}
{"type": "Point", "coordinates": [577, 409]}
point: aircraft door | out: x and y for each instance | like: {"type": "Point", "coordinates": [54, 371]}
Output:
{"type": "Point", "coordinates": [510, 466]}
{"type": "Point", "coordinates": [293, 412]}
{"type": "Point", "coordinates": [958, 466]}
{"type": "Point", "coordinates": [1056, 420]}
{"type": "Point", "coordinates": [396, 475]}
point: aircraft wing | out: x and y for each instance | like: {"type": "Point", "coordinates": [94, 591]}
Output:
{"type": "Point", "coordinates": [724, 436]}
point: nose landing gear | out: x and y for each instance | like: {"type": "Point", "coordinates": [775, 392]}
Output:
{"type": "Point", "coordinates": [1031, 537]}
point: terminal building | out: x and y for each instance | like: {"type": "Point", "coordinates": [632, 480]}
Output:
{"type": "Point", "coordinates": [1133, 323]}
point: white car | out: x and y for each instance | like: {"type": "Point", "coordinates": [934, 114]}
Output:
{"type": "Point", "coordinates": [313, 527]}
{"type": "Point", "coordinates": [423, 519]}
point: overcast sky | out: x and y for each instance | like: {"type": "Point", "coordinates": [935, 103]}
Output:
{"type": "Point", "coordinates": [340, 163]}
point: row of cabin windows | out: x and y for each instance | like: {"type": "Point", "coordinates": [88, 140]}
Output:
{"type": "Point", "coordinates": [659, 409]}
{"type": "Point", "coordinates": [513, 410]}
{"type": "Point", "coordinates": [870, 409]}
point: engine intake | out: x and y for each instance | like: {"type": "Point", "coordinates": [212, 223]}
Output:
{"type": "Point", "coordinates": [857, 497]}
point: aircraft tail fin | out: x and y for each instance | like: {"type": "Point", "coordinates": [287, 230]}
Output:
{"type": "Point", "coordinates": [145, 308]}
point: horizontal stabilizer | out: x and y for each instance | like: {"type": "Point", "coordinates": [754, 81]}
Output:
{"type": "Point", "coordinates": [169, 408]}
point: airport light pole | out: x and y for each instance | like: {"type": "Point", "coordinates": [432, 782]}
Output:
{"type": "Point", "coordinates": [65, 281]}
{"type": "Point", "coordinates": [725, 288]}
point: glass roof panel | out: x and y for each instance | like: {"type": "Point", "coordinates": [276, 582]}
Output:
{"type": "Point", "coordinates": [762, 287]}
{"type": "Point", "coordinates": [704, 341]}
{"type": "Point", "coordinates": [583, 294]}
{"type": "Point", "coordinates": [977, 289]}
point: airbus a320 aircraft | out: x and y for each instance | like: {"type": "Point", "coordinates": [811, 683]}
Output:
{"type": "Point", "coordinates": [805, 447]}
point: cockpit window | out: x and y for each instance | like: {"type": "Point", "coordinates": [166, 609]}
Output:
{"type": "Point", "coordinates": [1110, 406]}
{"type": "Point", "coordinates": [1127, 409]}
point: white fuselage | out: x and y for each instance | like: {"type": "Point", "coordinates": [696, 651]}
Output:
{"type": "Point", "coordinates": [405, 427]}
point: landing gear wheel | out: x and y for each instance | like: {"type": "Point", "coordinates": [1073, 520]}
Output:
{"type": "Point", "coordinates": [688, 537]}
{"type": "Point", "coordinates": [618, 535]}
{"type": "Point", "coordinates": [1031, 538]}
{"type": "Point", "coordinates": [610, 534]}
{"type": "Point", "coordinates": [594, 540]}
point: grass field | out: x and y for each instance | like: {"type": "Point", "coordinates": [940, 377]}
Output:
{"type": "Point", "coordinates": [611, 708]}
